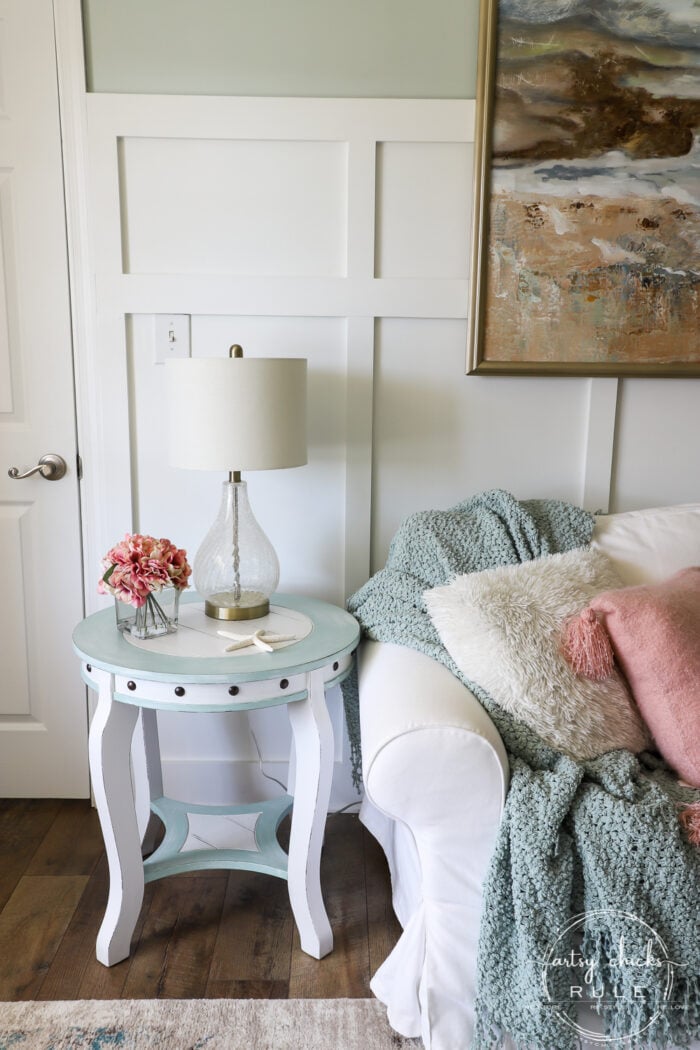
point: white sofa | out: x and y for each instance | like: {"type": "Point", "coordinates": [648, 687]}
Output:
{"type": "Point", "coordinates": [436, 777]}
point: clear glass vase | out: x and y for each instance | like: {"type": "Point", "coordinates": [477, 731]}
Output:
{"type": "Point", "coordinates": [157, 616]}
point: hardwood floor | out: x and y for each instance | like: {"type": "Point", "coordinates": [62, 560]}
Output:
{"type": "Point", "coordinates": [201, 935]}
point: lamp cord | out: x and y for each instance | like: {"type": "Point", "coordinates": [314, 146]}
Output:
{"type": "Point", "coordinates": [283, 786]}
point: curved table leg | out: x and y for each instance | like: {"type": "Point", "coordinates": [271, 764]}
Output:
{"type": "Point", "coordinates": [110, 745]}
{"type": "Point", "coordinates": [313, 742]}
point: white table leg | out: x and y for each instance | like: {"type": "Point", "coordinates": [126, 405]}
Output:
{"type": "Point", "coordinates": [313, 742]}
{"type": "Point", "coordinates": [110, 745]}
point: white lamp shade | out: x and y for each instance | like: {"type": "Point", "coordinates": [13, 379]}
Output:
{"type": "Point", "coordinates": [237, 413]}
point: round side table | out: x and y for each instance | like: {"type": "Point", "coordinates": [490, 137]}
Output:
{"type": "Point", "coordinates": [190, 671]}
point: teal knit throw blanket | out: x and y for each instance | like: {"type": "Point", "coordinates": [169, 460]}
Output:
{"type": "Point", "coordinates": [597, 839]}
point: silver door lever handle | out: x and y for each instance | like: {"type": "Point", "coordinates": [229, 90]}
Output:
{"type": "Point", "coordinates": [51, 467]}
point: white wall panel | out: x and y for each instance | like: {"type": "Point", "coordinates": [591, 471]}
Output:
{"type": "Point", "coordinates": [658, 437]}
{"type": "Point", "coordinates": [257, 218]}
{"type": "Point", "coordinates": [423, 231]}
{"type": "Point", "coordinates": [603, 393]}
{"type": "Point", "coordinates": [303, 509]}
{"type": "Point", "coordinates": [440, 436]}
{"type": "Point", "coordinates": [233, 206]}
{"type": "Point", "coordinates": [227, 745]}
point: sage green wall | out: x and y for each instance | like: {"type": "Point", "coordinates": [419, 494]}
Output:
{"type": "Point", "coordinates": [333, 48]}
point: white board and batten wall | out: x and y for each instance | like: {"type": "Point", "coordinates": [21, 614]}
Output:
{"type": "Point", "coordinates": [337, 230]}
{"type": "Point", "coordinates": [294, 227]}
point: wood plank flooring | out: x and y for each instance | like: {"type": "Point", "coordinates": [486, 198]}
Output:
{"type": "Point", "coordinates": [202, 935]}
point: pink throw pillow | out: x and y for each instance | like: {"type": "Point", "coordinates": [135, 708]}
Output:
{"type": "Point", "coordinates": [655, 634]}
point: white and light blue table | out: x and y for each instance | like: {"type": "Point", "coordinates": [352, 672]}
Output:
{"type": "Point", "coordinates": [189, 671]}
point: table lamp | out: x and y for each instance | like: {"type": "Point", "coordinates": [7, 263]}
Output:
{"type": "Point", "coordinates": [236, 413]}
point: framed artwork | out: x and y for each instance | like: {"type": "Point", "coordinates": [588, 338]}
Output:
{"type": "Point", "coordinates": [586, 227]}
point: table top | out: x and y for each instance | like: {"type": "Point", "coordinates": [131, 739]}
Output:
{"type": "Point", "coordinates": [332, 633]}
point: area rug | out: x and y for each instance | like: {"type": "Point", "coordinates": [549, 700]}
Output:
{"type": "Point", "coordinates": [200, 1024]}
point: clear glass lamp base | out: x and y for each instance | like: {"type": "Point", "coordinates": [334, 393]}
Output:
{"type": "Point", "coordinates": [236, 568]}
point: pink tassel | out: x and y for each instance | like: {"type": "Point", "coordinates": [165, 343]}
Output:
{"type": "Point", "coordinates": [586, 646]}
{"type": "Point", "coordinates": [690, 822]}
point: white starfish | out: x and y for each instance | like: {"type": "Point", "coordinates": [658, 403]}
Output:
{"type": "Point", "coordinates": [264, 640]}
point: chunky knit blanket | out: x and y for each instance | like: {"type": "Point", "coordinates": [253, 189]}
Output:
{"type": "Point", "coordinates": [592, 886]}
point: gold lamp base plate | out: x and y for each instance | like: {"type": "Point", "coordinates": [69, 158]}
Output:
{"type": "Point", "coordinates": [250, 606]}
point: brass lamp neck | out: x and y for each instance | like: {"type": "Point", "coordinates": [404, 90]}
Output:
{"type": "Point", "coordinates": [234, 476]}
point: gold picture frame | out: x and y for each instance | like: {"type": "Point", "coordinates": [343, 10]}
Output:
{"type": "Point", "coordinates": [586, 207]}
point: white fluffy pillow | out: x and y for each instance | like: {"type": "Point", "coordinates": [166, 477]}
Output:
{"type": "Point", "coordinates": [502, 628]}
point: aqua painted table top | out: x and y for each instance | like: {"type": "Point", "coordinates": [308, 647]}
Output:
{"type": "Point", "coordinates": [168, 659]}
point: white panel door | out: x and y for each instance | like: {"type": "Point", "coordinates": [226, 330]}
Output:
{"type": "Point", "coordinates": [43, 724]}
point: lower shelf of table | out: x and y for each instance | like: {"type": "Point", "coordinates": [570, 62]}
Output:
{"type": "Point", "coordinates": [202, 837]}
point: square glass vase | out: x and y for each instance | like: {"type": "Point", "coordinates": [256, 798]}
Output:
{"type": "Point", "coordinates": [157, 616]}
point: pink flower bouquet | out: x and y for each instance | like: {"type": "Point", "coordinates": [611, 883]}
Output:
{"type": "Point", "coordinates": [136, 570]}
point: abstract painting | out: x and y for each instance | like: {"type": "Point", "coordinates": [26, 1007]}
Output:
{"type": "Point", "coordinates": [587, 191]}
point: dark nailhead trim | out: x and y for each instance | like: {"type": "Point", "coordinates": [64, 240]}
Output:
{"type": "Point", "coordinates": [131, 685]}
{"type": "Point", "coordinates": [179, 691]}
{"type": "Point", "coordinates": [336, 665]}
{"type": "Point", "coordinates": [284, 683]}
{"type": "Point", "coordinates": [233, 690]}
{"type": "Point", "coordinates": [88, 668]}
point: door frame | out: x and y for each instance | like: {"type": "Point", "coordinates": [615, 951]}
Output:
{"type": "Point", "coordinates": [92, 444]}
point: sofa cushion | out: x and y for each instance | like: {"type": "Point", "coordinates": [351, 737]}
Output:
{"type": "Point", "coordinates": [502, 628]}
{"type": "Point", "coordinates": [655, 635]}
{"type": "Point", "coordinates": [647, 546]}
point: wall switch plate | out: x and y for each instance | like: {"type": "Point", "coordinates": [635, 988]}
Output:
{"type": "Point", "coordinates": [172, 337]}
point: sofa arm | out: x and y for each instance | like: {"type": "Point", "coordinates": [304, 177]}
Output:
{"type": "Point", "coordinates": [432, 759]}
{"type": "Point", "coordinates": [435, 766]}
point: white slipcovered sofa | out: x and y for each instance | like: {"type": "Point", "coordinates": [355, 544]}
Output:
{"type": "Point", "coordinates": [436, 777]}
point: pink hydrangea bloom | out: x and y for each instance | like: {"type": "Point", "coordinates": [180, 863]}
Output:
{"type": "Point", "coordinates": [139, 565]}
